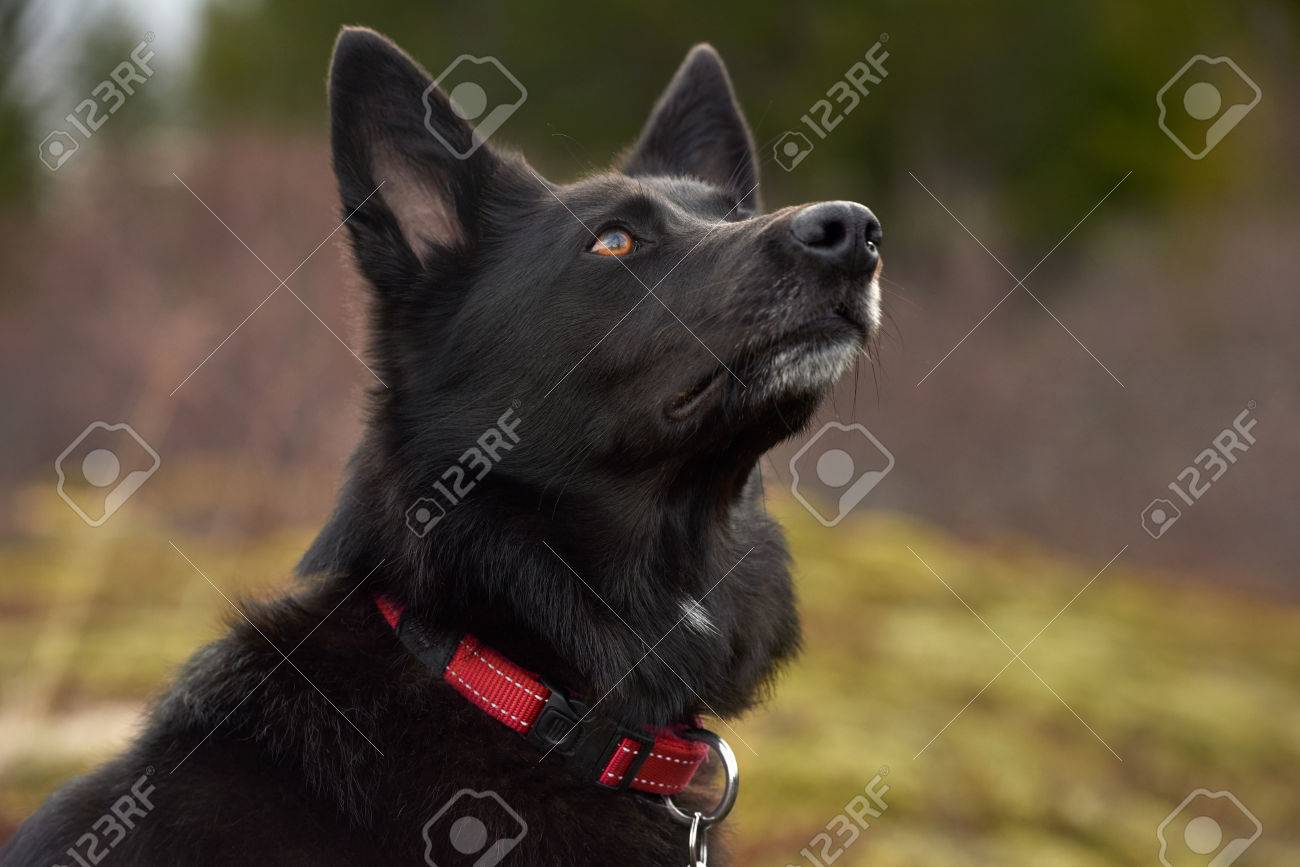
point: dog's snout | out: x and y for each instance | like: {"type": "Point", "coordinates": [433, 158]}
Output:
{"type": "Point", "coordinates": [843, 234]}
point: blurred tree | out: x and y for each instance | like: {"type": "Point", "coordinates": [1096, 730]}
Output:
{"type": "Point", "coordinates": [35, 97]}
{"type": "Point", "coordinates": [1042, 107]}
{"type": "Point", "coordinates": [17, 154]}
{"type": "Point", "coordinates": [109, 41]}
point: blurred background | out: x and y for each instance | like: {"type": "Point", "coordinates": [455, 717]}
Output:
{"type": "Point", "coordinates": [1027, 430]}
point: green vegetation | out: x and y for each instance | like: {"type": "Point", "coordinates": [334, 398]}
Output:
{"type": "Point", "coordinates": [1047, 103]}
{"type": "Point", "coordinates": [1193, 688]}
{"type": "Point", "coordinates": [16, 129]}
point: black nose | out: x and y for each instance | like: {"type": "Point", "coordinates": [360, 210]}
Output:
{"type": "Point", "coordinates": [842, 234]}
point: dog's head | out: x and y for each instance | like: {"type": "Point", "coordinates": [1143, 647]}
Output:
{"type": "Point", "coordinates": [648, 315]}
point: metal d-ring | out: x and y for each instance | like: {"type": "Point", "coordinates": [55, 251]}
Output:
{"type": "Point", "coordinates": [700, 822]}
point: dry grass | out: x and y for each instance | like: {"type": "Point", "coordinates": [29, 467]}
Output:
{"type": "Point", "coordinates": [1193, 688]}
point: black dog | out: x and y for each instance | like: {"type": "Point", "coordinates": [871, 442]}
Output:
{"type": "Point", "coordinates": [580, 381]}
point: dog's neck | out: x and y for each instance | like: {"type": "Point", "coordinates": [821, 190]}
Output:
{"type": "Point", "coordinates": [663, 608]}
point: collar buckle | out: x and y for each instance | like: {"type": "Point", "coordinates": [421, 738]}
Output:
{"type": "Point", "coordinates": [588, 744]}
{"type": "Point", "coordinates": [558, 725]}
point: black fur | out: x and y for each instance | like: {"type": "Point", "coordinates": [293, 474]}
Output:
{"type": "Point", "coordinates": [637, 464]}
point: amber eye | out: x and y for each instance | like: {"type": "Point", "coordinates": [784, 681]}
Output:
{"type": "Point", "coordinates": [614, 242]}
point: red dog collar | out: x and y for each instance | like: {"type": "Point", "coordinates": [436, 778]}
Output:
{"type": "Point", "coordinates": [610, 755]}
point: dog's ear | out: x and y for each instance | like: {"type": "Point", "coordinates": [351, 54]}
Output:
{"type": "Point", "coordinates": [697, 129]}
{"type": "Point", "coordinates": [407, 168]}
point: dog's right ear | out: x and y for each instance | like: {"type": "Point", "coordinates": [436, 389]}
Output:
{"type": "Point", "coordinates": [406, 192]}
{"type": "Point", "coordinates": [697, 128]}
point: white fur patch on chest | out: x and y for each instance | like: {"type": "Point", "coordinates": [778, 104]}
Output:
{"type": "Point", "coordinates": [696, 616]}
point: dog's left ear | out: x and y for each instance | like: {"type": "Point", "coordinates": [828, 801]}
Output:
{"type": "Point", "coordinates": [697, 129]}
{"type": "Point", "coordinates": [409, 169]}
